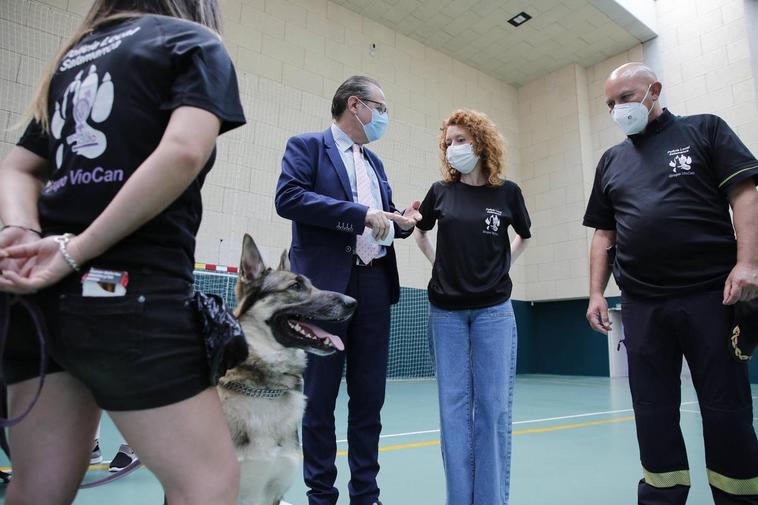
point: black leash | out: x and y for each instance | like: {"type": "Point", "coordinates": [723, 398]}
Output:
{"type": "Point", "coordinates": [6, 301]}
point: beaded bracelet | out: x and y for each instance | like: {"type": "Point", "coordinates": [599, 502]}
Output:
{"type": "Point", "coordinates": [39, 233]}
{"type": "Point", "coordinates": [63, 241]}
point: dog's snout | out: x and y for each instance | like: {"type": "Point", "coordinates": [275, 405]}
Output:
{"type": "Point", "coordinates": [350, 303]}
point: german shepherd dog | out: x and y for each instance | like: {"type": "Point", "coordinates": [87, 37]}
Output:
{"type": "Point", "coordinates": [262, 398]}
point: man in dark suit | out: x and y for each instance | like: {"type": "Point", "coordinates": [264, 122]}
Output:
{"type": "Point", "coordinates": [337, 195]}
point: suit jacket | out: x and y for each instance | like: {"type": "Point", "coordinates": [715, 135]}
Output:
{"type": "Point", "coordinates": [314, 192]}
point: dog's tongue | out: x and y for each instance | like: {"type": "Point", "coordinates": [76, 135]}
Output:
{"type": "Point", "coordinates": [334, 339]}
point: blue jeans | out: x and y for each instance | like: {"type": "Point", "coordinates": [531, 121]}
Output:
{"type": "Point", "coordinates": [475, 354]}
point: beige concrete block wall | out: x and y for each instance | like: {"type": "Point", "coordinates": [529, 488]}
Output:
{"type": "Point", "coordinates": [30, 35]}
{"type": "Point", "coordinates": [291, 55]}
{"type": "Point", "coordinates": [554, 142]}
{"type": "Point", "coordinates": [706, 57]}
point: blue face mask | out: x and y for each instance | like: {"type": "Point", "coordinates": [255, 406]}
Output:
{"type": "Point", "coordinates": [376, 127]}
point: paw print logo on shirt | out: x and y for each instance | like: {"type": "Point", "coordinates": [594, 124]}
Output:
{"type": "Point", "coordinates": [684, 163]}
{"type": "Point", "coordinates": [492, 222]}
{"type": "Point", "coordinates": [87, 99]}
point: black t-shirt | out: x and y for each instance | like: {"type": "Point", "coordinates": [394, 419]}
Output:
{"type": "Point", "coordinates": [110, 101]}
{"type": "Point", "coordinates": [665, 193]}
{"type": "Point", "coordinates": [473, 254]}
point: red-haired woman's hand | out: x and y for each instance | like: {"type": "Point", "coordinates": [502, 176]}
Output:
{"type": "Point", "coordinates": [408, 218]}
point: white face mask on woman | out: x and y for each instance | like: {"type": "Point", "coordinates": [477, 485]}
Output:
{"type": "Point", "coordinates": [631, 117]}
{"type": "Point", "coordinates": [462, 158]}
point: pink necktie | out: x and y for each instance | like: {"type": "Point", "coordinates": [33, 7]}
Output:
{"type": "Point", "coordinates": [365, 247]}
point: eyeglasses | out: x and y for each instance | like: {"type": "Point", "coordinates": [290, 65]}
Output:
{"type": "Point", "coordinates": [381, 108]}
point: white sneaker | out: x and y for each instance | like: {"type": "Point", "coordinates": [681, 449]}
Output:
{"type": "Point", "coordinates": [123, 458]}
{"type": "Point", "coordinates": [96, 456]}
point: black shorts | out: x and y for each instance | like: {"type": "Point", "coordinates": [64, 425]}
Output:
{"type": "Point", "coordinates": [138, 351]}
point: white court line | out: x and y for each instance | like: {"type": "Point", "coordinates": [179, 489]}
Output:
{"type": "Point", "coordinates": [400, 435]}
{"type": "Point", "coordinates": [690, 411]}
{"type": "Point", "coordinates": [698, 412]}
{"type": "Point", "coordinates": [574, 416]}
{"type": "Point", "coordinates": [582, 415]}
{"type": "Point", "coordinates": [515, 422]}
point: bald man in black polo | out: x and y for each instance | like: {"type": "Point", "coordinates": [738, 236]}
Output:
{"type": "Point", "coordinates": [660, 209]}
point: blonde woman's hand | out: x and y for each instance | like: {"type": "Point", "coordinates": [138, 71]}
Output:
{"type": "Point", "coordinates": [48, 267]}
{"type": "Point", "coordinates": [13, 236]}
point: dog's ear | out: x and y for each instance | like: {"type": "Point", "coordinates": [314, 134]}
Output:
{"type": "Point", "coordinates": [284, 261]}
{"type": "Point", "coordinates": [251, 262]}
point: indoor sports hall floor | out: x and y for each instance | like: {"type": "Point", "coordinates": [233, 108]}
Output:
{"type": "Point", "coordinates": [574, 444]}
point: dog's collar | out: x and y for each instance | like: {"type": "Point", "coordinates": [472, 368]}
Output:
{"type": "Point", "coordinates": [268, 393]}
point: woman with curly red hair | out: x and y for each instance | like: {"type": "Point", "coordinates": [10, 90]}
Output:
{"type": "Point", "coordinates": [471, 319]}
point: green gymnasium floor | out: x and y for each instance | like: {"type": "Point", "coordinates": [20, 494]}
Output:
{"type": "Point", "coordinates": [574, 444]}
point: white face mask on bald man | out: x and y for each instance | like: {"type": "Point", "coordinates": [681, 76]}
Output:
{"type": "Point", "coordinates": [631, 117]}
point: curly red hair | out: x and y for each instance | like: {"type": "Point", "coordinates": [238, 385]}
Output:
{"type": "Point", "coordinates": [488, 144]}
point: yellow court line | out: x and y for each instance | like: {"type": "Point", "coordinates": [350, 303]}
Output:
{"type": "Point", "coordinates": [515, 432]}
{"type": "Point", "coordinates": [571, 426]}
{"type": "Point", "coordinates": [437, 442]}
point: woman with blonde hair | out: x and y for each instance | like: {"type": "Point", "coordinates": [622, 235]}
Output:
{"type": "Point", "coordinates": [107, 178]}
{"type": "Point", "coordinates": [471, 319]}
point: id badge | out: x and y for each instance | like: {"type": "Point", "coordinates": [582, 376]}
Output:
{"type": "Point", "coordinates": [102, 283]}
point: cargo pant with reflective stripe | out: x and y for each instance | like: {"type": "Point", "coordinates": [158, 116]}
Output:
{"type": "Point", "coordinates": [657, 334]}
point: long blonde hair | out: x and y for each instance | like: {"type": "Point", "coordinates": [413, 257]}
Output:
{"type": "Point", "coordinates": [488, 144]}
{"type": "Point", "coordinates": [204, 12]}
